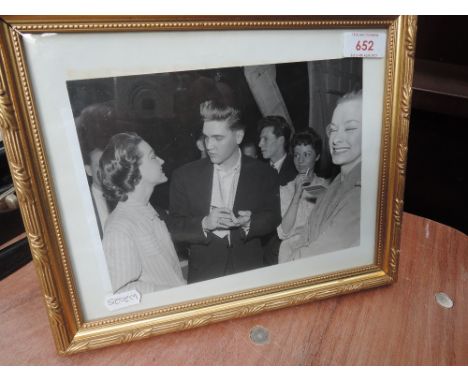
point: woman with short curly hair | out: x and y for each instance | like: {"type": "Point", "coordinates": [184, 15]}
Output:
{"type": "Point", "coordinates": [139, 251]}
{"type": "Point", "coordinates": [298, 197]}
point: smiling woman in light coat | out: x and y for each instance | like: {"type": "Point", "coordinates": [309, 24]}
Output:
{"type": "Point", "coordinates": [334, 223]}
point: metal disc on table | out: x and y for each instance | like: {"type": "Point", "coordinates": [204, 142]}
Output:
{"type": "Point", "coordinates": [259, 335]}
{"type": "Point", "coordinates": [444, 300]}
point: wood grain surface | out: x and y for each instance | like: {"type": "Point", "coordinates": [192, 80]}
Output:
{"type": "Point", "coordinates": [397, 325]}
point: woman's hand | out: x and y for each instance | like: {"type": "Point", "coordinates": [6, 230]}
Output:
{"type": "Point", "coordinates": [300, 182]}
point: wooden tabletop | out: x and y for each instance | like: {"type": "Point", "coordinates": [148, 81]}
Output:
{"type": "Point", "coordinates": [400, 324]}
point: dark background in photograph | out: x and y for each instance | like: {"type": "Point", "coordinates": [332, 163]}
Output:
{"type": "Point", "coordinates": [164, 108]}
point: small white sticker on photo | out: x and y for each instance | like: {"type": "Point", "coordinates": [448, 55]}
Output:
{"type": "Point", "coordinates": [122, 300]}
{"type": "Point", "coordinates": [364, 44]}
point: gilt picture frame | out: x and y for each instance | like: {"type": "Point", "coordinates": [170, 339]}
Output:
{"type": "Point", "coordinates": [151, 75]}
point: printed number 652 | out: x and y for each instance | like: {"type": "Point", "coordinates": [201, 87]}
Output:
{"type": "Point", "coordinates": [366, 45]}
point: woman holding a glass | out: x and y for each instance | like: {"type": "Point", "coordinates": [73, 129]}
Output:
{"type": "Point", "coordinates": [298, 197]}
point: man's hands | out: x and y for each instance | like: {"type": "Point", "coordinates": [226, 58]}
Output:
{"type": "Point", "coordinates": [219, 218]}
{"type": "Point", "coordinates": [244, 219]}
{"type": "Point", "coordinates": [224, 218]}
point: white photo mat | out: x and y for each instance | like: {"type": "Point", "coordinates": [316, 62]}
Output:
{"type": "Point", "coordinates": [53, 59]}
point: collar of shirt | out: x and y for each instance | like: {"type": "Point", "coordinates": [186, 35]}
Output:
{"type": "Point", "coordinates": [233, 169]}
{"type": "Point", "coordinates": [277, 165]}
{"type": "Point", "coordinates": [224, 189]}
{"type": "Point", "coordinates": [225, 185]}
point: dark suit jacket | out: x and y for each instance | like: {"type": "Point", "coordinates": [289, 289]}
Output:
{"type": "Point", "coordinates": [271, 243]}
{"type": "Point", "coordinates": [287, 171]}
{"type": "Point", "coordinates": [190, 198]}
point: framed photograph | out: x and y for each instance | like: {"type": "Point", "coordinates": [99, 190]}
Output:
{"type": "Point", "coordinates": [174, 172]}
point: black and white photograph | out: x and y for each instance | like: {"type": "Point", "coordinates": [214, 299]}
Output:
{"type": "Point", "coordinates": [190, 167]}
{"type": "Point", "coordinates": [200, 174]}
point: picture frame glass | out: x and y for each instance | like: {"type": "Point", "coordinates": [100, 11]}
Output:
{"type": "Point", "coordinates": [71, 71]}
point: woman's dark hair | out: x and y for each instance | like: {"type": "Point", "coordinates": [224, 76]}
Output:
{"type": "Point", "coordinates": [308, 138]}
{"type": "Point", "coordinates": [119, 170]}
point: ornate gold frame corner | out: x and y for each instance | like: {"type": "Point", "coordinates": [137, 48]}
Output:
{"type": "Point", "coordinates": [35, 190]}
